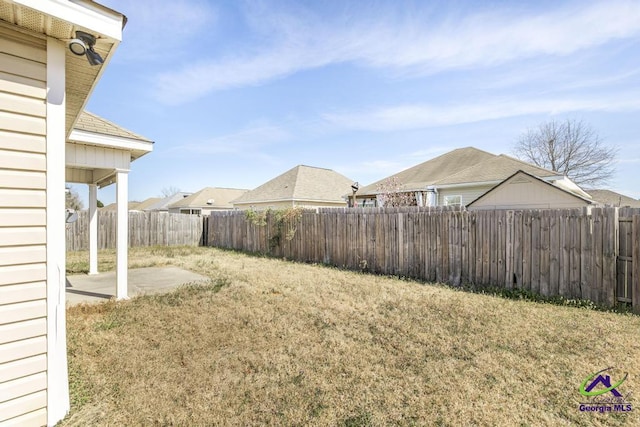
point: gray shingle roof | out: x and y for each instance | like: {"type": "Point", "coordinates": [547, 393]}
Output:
{"type": "Point", "coordinates": [461, 166]}
{"type": "Point", "coordinates": [163, 204]}
{"type": "Point", "coordinates": [495, 169]}
{"type": "Point", "coordinates": [301, 183]}
{"type": "Point", "coordinates": [219, 197]}
{"type": "Point", "coordinates": [147, 202]}
{"type": "Point", "coordinates": [90, 122]}
{"type": "Point", "coordinates": [434, 170]}
{"type": "Point", "coordinates": [611, 198]}
{"type": "Point", "coordinates": [113, 206]}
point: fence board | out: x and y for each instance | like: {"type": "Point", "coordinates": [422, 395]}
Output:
{"type": "Point", "coordinates": [509, 271]}
{"type": "Point", "coordinates": [464, 248]}
{"type": "Point", "coordinates": [586, 258]}
{"type": "Point", "coordinates": [502, 234]}
{"type": "Point", "coordinates": [479, 267]}
{"type": "Point", "coordinates": [554, 253]}
{"type": "Point", "coordinates": [635, 275]}
{"type": "Point", "coordinates": [609, 249]}
{"type": "Point", "coordinates": [517, 248]}
{"type": "Point", "coordinates": [565, 260]}
{"type": "Point", "coordinates": [574, 255]}
{"type": "Point", "coordinates": [597, 292]}
{"type": "Point", "coordinates": [472, 247]}
{"type": "Point", "coordinates": [545, 287]}
{"type": "Point", "coordinates": [536, 232]}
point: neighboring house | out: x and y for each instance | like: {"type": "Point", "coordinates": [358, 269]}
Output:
{"type": "Point", "coordinates": [113, 206]}
{"type": "Point", "coordinates": [455, 178]}
{"type": "Point", "coordinates": [611, 198]}
{"type": "Point", "coordinates": [305, 186]}
{"type": "Point", "coordinates": [205, 201]}
{"type": "Point", "coordinates": [143, 205]}
{"type": "Point", "coordinates": [523, 190]}
{"type": "Point", "coordinates": [162, 205]}
{"type": "Point", "coordinates": [135, 206]}
{"type": "Point", "coordinates": [43, 90]}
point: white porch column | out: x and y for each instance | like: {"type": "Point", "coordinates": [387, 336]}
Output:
{"type": "Point", "coordinates": [57, 379]}
{"type": "Point", "coordinates": [93, 229]}
{"type": "Point", "coordinates": [122, 233]}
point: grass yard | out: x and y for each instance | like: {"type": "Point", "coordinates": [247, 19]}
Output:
{"type": "Point", "coordinates": [280, 343]}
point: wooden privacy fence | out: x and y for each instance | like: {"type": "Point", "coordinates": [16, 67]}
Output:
{"type": "Point", "coordinates": [145, 229]}
{"type": "Point", "coordinates": [569, 253]}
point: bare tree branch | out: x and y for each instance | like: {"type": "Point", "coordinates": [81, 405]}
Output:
{"type": "Point", "coordinates": [72, 199]}
{"type": "Point", "coordinates": [572, 148]}
{"type": "Point", "coordinates": [392, 194]}
{"type": "Point", "coordinates": [169, 191]}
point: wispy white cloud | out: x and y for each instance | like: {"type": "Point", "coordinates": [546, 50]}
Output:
{"type": "Point", "coordinates": [251, 142]}
{"type": "Point", "coordinates": [405, 117]}
{"type": "Point", "coordinates": [408, 43]}
{"type": "Point", "coordinates": [160, 30]}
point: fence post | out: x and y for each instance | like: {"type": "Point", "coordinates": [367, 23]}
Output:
{"type": "Point", "coordinates": [635, 265]}
{"type": "Point", "coordinates": [610, 254]}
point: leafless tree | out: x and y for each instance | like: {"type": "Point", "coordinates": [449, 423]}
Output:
{"type": "Point", "coordinates": [169, 191]}
{"type": "Point", "coordinates": [72, 199]}
{"type": "Point", "coordinates": [392, 194]}
{"type": "Point", "coordinates": [570, 147]}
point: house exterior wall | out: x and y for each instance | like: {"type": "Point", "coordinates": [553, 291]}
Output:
{"type": "Point", "coordinates": [204, 210]}
{"type": "Point", "coordinates": [527, 193]}
{"type": "Point", "coordinates": [23, 228]}
{"type": "Point", "coordinates": [468, 194]}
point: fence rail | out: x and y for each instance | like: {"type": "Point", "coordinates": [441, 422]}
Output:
{"type": "Point", "coordinates": [145, 229]}
{"type": "Point", "coordinates": [571, 253]}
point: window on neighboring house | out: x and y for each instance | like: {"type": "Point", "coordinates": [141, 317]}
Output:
{"type": "Point", "coordinates": [452, 200]}
{"type": "Point", "coordinates": [191, 211]}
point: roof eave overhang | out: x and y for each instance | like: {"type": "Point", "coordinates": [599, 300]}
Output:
{"type": "Point", "coordinates": [435, 186]}
{"type": "Point", "coordinates": [201, 207]}
{"type": "Point", "coordinates": [102, 22]}
{"type": "Point", "coordinates": [466, 184]}
{"type": "Point", "coordinates": [81, 13]}
{"type": "Point", "coordinates": [136, 147]}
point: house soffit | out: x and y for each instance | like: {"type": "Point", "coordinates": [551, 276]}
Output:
{"type": "Point", "coordinates": [60, 20]}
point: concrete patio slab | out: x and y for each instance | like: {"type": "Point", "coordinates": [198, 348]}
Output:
{"type": "Point", "coordinates": [101, 287]}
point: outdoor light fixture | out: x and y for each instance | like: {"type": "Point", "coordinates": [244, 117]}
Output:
{"type": "Point", "coordinates": [83, 45]}
{"type": "Point", "coordinates": [354, 187]}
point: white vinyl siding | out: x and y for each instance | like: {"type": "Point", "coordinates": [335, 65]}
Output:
{"type": "Point", "coordinates": [96, 157]}
{"type": "Point", "coordinates": [23, 272]}
{"type": "Point", "coordinates": [467, 194]}
{"type": "Point", "coordinates": [525, 192]}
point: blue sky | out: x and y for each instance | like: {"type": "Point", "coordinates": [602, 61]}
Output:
{"type": "Point", "coordinates": [236, 92]}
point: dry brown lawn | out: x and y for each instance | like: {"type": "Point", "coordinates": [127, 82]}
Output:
{"type": "Point", "coordinates": [270, 342]}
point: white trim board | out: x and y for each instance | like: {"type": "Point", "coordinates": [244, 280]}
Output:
{"type": "Point", "coordinates": [106, 22]}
